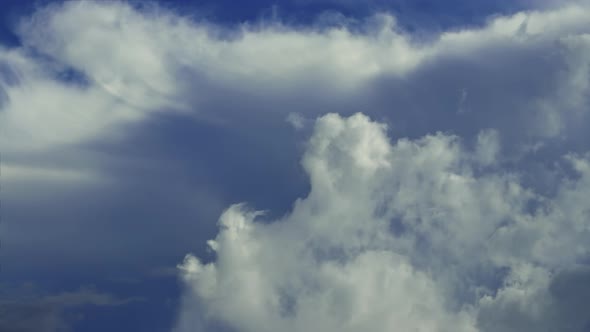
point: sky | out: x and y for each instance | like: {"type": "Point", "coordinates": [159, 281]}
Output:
{"type": "Point", "coordinates": [301, 165]}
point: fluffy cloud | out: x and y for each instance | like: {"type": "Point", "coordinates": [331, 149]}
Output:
{"type": "Point", "coordinates": [409, 235]}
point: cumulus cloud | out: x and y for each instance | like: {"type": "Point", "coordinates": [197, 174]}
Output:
{"type": "Point", "coordinates": [398, 235]}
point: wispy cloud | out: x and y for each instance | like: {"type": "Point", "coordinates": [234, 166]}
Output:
{"type": "Point", "coordinates": [22, 312]}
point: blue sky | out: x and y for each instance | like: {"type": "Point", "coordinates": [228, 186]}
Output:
{"type": "Point", "coordinates": [400, 164]}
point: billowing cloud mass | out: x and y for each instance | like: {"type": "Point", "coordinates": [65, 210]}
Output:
{"type": "Point", "coordinates": [456, 200]}
{"type": "Point", "coordinates": [412, 235]}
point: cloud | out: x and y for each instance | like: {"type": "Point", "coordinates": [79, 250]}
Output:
{"type": "Point", "coordinates": [402, 235]}
{"type": "Point", "coordinates": [488, 147]}
{"type": "Point", "coordinates": [49, 313]}
{"type": "Point", "coordinates": [544, 303]}
{"type": "Point", "coordinates": [526, 73]}
{"type": "Point", "coordinates": [22, 174]}
{"type": "Point", "coordinates": [459, 220]}
{"type": "Point", "coordinates": [40, 111]}
{"type": "Point", "coordinates": [296, 120]}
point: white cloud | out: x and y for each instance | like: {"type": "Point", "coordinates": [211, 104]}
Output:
{"type": "Point", "coordinates": [393, 236]}
{"type": "Point", "coordinates": [328, 264]}
{"type": "Point", "coordinates": [41, 112]}
{"type": "Point", "coordinates": [139, 61]}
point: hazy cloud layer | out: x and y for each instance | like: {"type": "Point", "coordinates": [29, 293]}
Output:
{"type": "Point", "coordinates": [31, 312]}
